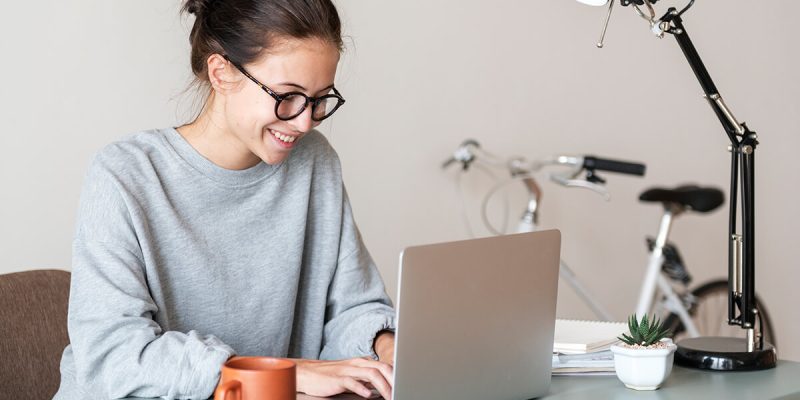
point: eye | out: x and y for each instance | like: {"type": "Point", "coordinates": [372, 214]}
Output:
{"type": "Point", "coordinates": [291, 105]}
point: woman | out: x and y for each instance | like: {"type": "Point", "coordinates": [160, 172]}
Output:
{"type": "Point", "coordinates": [232, 234]}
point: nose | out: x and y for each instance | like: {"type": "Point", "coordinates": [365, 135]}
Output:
{"type": "Point", "coordinates": [303, 122]}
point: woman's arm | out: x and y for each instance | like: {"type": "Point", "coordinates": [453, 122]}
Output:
{"type": "Point", "coordinates": [358, 328]}
{"type": "Point", "coordinates": [358, 307]}
{"type": "Point", "coordinates": [119, 350]}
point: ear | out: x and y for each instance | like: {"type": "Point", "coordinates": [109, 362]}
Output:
{"type": "Point", "coordinates": [222, 75]}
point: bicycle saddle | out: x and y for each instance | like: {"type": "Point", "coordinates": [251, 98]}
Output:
{"type": "Point", "coordinates": [701, 199]}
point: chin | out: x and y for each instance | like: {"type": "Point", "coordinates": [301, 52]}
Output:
{"type": "Point", "coordinates": [274, 159]}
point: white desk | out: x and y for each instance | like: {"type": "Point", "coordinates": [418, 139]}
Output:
{"type": "Point", "coordinates": [782, 382]}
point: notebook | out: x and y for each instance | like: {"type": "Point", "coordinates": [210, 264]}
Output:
{"type": "Point", "coordinates": [574, 336]}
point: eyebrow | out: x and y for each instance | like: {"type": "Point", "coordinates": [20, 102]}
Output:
{"type": "Point", "coordinates": [292, 84]}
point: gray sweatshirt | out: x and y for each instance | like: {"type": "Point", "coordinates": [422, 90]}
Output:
{"type": "Point", "coordinates": [179, 264]}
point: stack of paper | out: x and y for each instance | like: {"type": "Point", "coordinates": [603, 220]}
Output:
{"type": "Point", "coordinates": [582, 347]}
{"type": "Point", "coordinates": [597, 363]}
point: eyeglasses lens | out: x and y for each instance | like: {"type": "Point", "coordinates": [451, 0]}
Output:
{"type": "Point", "coordinates": [291, 106]}
{"type": "Point", "coordinates": [325, 107]}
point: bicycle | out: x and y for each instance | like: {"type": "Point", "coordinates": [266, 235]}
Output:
{"type": "Point", "coordinates": [701, 311]}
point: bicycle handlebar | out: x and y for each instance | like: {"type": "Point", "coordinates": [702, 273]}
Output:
{"type": "Point", "coordinates": [523, 170]}
{"type": "Point", "coordinates": [604, 164]}
{"type": "Point", "coordinates": [471, 151]}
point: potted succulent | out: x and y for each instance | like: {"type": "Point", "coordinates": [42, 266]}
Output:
{"type": "Point", "coordinates": [643, 360]}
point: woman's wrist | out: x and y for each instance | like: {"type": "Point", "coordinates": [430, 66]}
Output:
{"type": "Point", "coordinates": [384, 346]}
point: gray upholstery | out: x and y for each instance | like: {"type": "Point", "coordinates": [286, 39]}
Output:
{"type": "Point", "coordinates": [33, 332]}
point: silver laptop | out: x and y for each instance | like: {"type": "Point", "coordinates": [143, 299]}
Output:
{"type": "Point", "coordinates": [476, 318]}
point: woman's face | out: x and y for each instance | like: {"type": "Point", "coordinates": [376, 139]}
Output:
{"type": "Point", "coordinates": [297, 65]}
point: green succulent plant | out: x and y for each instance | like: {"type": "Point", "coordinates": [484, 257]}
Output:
{"type": "Point", "coordinates": [644, 333]}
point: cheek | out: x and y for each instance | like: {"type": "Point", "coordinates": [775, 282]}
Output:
{"type": "Point", "coordinates": [248, 113]}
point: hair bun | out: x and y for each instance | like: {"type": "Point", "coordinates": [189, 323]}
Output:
{"type": "Point", "coordinates": [197, 7]}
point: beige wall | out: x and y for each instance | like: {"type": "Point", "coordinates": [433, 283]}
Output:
{"type": "Point", "coordinates": [522, 77]}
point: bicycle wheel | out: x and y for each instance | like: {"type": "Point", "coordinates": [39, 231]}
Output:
{"type": "Point", "coordinates": [709, 312]}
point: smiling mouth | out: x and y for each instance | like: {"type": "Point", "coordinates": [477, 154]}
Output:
{"type": "Point", "coordinates": [282, 137]}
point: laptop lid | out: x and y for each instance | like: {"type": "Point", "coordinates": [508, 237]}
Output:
{"type": "Point", "coordinates": [476, 318]}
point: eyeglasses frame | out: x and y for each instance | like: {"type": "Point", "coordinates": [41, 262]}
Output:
{"type": "Point", "coordinates": [279, 97]}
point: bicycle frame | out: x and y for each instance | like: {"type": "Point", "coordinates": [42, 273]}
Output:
{"type": "Point", "coordinates": [654, 278]}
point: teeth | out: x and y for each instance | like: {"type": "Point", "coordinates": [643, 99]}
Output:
{"type": "Point", "coordinates": [284, 138]}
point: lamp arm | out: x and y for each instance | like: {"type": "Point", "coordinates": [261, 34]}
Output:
{"type": "Point", "coordinates": [741, 269]}
{"type": "Point", "coordinates": [676, 28]}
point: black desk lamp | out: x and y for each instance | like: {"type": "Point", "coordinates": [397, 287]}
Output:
{"type": "Point", "coordinates": [720, 353]}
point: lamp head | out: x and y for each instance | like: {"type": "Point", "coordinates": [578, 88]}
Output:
{"type": "Point", "coordinates": [645, 10]}
{"type": "Point", "coordinates": [600, 3]}
{"type": "Point", "coordinates": [597, 3]}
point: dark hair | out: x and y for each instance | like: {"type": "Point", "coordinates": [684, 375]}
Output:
{"type": "Point", "coordinates": [244, 29]}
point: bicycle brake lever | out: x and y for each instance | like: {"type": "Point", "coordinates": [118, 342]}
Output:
{"type": "Point", "coordinates": [580, 183]}
{"type": "Point", "coordinates": [463, 154]}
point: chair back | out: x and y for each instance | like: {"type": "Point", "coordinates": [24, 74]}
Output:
{"type": "Point", "coordinates": [33, 332]}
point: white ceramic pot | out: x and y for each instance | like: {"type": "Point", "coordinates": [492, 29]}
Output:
{"type": "Point", "coordinates": [643, 369]}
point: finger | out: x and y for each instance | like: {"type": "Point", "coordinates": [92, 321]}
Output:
{"type": "Point", "coordinates": [373, 376]}
{"type": "Point", "coordinates": [386, 369]}
{"type": "Point", "coordinates": [356, 387]}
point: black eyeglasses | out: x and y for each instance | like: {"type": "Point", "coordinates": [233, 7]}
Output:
{"type": "Point", "coordinates": [290, 105]}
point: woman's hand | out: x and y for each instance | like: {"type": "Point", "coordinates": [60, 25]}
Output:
{"type": "Point", "coordinates": [357, 375]}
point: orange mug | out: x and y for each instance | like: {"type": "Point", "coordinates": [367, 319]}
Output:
{"type": "Point", "coordinates": [257, 378]}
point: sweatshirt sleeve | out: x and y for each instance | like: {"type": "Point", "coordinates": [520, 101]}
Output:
{"type": "Point", "coordinates": [119, 350]}
{"type": "Point", "coordinates": [358, 306]}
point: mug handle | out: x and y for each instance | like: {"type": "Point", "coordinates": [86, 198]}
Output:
{"type": "Point", "coordinates": [230, 386]}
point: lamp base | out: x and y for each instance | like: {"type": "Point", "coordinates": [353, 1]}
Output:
{"type": "Point", "coordinates": [724, 354]}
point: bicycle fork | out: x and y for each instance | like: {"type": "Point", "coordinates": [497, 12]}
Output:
{"type": "Point", "coordinates": [654, 277]}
